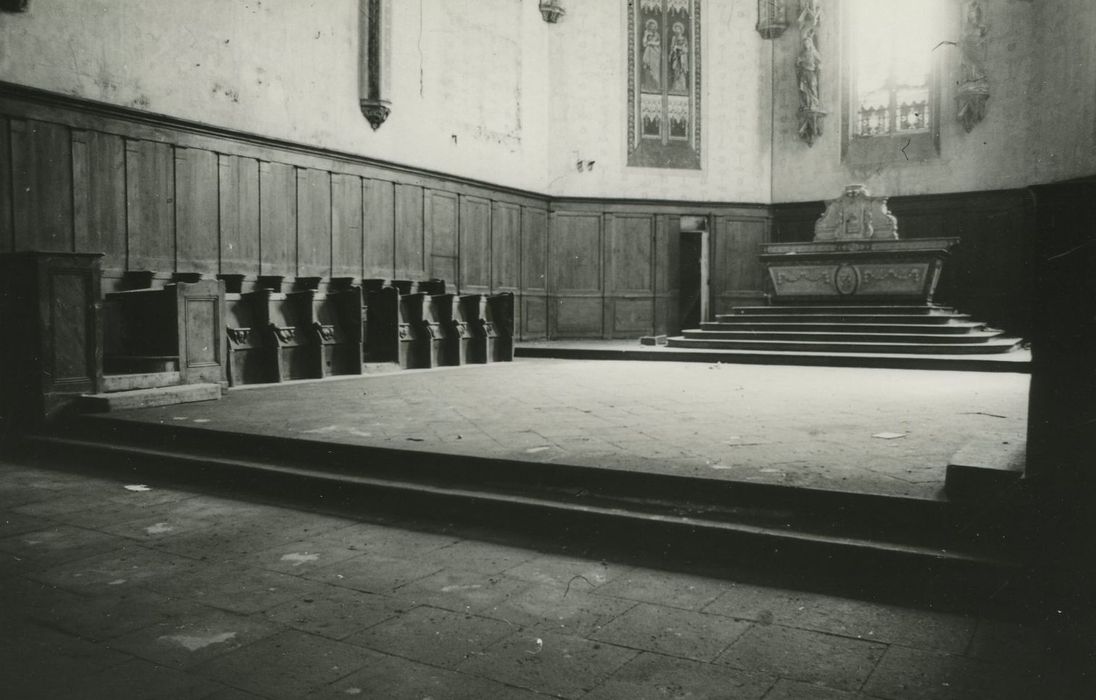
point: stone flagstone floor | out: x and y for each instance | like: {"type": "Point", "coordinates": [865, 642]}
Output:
{"type": "Point", "coordinates": [117, 591]}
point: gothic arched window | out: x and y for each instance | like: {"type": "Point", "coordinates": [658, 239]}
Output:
{"type": "Point", "coordinates": [891, 104]}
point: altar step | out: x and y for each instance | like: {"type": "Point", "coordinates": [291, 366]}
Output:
{"type": "Point", "coordinates": [916, 547]}
{"type": "Point", "coordinates": [906, 330]}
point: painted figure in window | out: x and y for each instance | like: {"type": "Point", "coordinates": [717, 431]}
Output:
{"type": "Point", "coordinates": [652, 56]}
{"type": "Point", "coordinates": [679, 59]}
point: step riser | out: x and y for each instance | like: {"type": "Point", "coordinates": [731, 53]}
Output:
{"type": "Point", "coordinates": [823, 309]}
{"type": "Point", "coordinates": [926, 349]}
{"type": "Point", "coordinates": [843, 318]}
{"type": "Point", "coordinates": [839, 337]}
{"type": "Point", "coordinates": [901, 518]}
{"type": "Point", "coordinates": [944, 329]}
{"type": "Point", "coordinates": [961, 581]}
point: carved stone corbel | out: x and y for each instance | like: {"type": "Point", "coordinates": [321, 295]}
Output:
{"type": "Point", "coordinates": [808, 70]}
{"type": "Point", "coordinates": [373, 71]}
{"type": "Point", "coordinates": [551, 10]}
{"type": "Point", "coordinates": [973, 83]}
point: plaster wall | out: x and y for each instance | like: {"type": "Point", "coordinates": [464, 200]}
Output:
{"type": "Point", "coordinates": [996, 154]}
{"type": "Point", "coordinates": [1062, 127]}
{"type": "Point", "coordinates": [589, 108]}
{"type": "Point", "coordinates": [467, 76]}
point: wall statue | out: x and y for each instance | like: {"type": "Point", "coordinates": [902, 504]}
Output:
{"type": "Point", "coordinates": [808, 68]}
{"type": "Point", "coordinates": [973, 83]}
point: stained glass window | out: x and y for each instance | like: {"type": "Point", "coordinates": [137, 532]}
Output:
{"type": "Point", "coordinates": [664, 83]}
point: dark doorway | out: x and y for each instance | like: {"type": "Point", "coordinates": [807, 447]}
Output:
{"type": "Point", "coordinates": [692, 272]}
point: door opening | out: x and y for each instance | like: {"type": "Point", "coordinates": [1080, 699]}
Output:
{"type": "Point", "coordinates": [693, 272]}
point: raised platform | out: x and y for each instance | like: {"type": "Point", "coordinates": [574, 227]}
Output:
{"type": "Point", "coordinates": [578, 449]}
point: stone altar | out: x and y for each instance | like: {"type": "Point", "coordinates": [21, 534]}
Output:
{"type": "Point", "coordinates": [856, 256]}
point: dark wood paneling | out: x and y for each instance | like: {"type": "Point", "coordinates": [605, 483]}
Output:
{"type": "Point", "coordinates": [410, 250]}
{"type": "Point", "coordinates": [575, 253]}
{"type": "Point", "coordinates": [346, 225]}
{"type": "Point", "coordinates": [99, 196]}
{"type": "Point", "coordinates": [442, 236]}
{"type": "Point", "coordinates": [574, 279]}
{"type": "Point", "coordinates": [196, 211]}
{"type": "Point", "coordinates": [667, 273]}
{"type": "Point", "coordinates": [277, 219]}
{"type": "Point", "coordinates": [737, 276]}
{"type": "Point", "coordinates": [7, 226]}
{"type": "Point", "coordinates": [379, 252]}
{"type": "Point", "coordinates": [150, 208]}
{"type": "Point", "coordinates": [534, 249]}
{"type": "Point", "coordinates": [41, 160]}
{"type": "Point", "coordinates": [313, 223]}
{"type": "Point", "coordinates": [475, 245]}
{"type": "Point", "coordinates": [629, 254]}
{"type": "Point", "coordinates": [505, 247]}
{"type": "Point", "coordinates": [239, 202]}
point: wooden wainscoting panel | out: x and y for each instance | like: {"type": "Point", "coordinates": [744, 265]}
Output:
{"type": "Point", "coordinates": [534, 249]}
{"type": "Point", "coordinates": [505, 247]}
{"type": "Point", "coordinates": [575, 276]}
{"type": "Point", "coordinates": [150, 207]}
{"type": "Point", "coordinates": [346, 225]}
{"type": "Point", "coordinates": [442, 237]}
{"type": "Point", "coordinates": [410, 260]}
{"type": "Point", "coordinates": [99, 196]}
{"type": "Point", "coordinates": [239, 203]}
{"type": "Point", "coordinates": [667, 273]}
{"type": "Point", "coordinates": [196, 211]}
{"type": "Point", "coordinates": [41, 162]}
{"type": "Point", "coordinates": [7, 225]}
{"type": "Point", "coordinates": [313, 223]}
{"type": "Point", "coordinates": [278, 218]}
{"type": "Point", "coordinates": [737, 276]}
{"type": "Point", "coordinates": [475, 245]}
{"type": "Point", "coordinates": [378, 229]}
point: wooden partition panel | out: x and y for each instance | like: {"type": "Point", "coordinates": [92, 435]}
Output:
{"type": "Point", "coordinates": [313, 223]}
{"type": "Point", "coordinates": [410, 249]}
{"type": "Point", "coordinates": [346, 225]}
{"type": "Point", "coordinates": [534, 273]}
{"type": "Point", "coordinates": [238, 183]}
{"type": "Point", "coordinates": [99, 196]}
{"type": "Point", "coordinates": [574, 278]}
{"type": "Point", "coordinates": [378, 229]}
{"type": "Point", "coordinates": [277, 219]}
{"type": "Point", "coordinates": [737, 277]}
{"type": "Point", "coordinates": [41, 162]}
{"type": "Point", "coordinates": [475, 245]}
{"type": "Point", "coordinates": [667, 274]}
{"type": "Point", "coordinates": [150, 212]}
{"type": "Point", "coordinates": [196, 205]}
{"type": "Point", "coordinates": [629, 279]}
{"type": "Point", "coordinates": [7, 226]}
{"type": "Point", "coordinates": [442, 236]}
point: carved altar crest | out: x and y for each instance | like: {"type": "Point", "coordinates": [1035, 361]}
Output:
{"type": "Point", "coordinates": [856, 215]}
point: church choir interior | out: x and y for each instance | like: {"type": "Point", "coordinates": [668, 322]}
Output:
{"type": "Point", "coordinates": [792, 299]}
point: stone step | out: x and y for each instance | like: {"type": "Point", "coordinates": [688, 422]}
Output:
{"type": "Point", "coordinates": [929, 309]}
{"type": "Point", "coordinates": [728, 524]}
{"type": "Point", "coordinates": [148, 398]}
{"type": "Point", "coordinates": [940, 318]}
{"type": "Point", "coordinates": [998, 345]}
{"type": "Point", "coordinates": [140, 364]}
{"type": "Point", "coordinates": [969, 338]}
{"type": "Point", "coordinates": [147, 380]}
{"type": "Point", "coordinates": [747, 324]}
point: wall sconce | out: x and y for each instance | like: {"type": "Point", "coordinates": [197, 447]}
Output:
{"type": "Point", "coordinates": [551, 10]}
{"type": "Point", "coordinates": [772, 18]}
{"type": "Point", "coordinates": [14, 5]}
